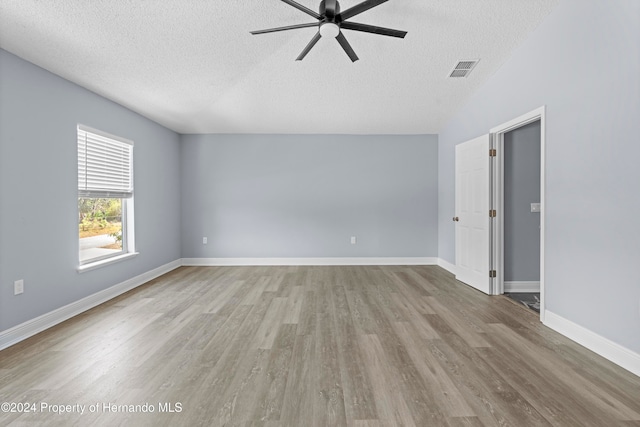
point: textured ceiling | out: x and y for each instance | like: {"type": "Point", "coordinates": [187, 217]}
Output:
{"type": "Point", "coordinates": [192, 66]}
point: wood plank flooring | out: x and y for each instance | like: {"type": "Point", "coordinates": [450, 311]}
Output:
{"type": "Point", "coordinates": [312, 346]}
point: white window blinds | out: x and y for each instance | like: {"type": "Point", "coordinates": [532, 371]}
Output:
{"type": "Point", "coordinates": [105, 165]}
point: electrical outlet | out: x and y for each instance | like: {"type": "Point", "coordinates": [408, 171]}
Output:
{"type": "Point", "coordinates": [18, 287]}
{"type": "Point", "coordinates": [204, 240]}
{"type": "Point", "coordinates": [353, 240]}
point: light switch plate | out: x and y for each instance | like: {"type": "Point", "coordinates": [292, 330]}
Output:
{"type": "Point", "coordinates": [18, 287]}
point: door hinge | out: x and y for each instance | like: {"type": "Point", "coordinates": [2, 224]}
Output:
{"type": "Point", "coordinates": [492, 273]}
{"type": "Point", "coordinates": [492, 213]}
{"type": "Point", "coordinates": [492, 152]}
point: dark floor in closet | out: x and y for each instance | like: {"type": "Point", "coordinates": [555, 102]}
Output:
{"type": "Point", "coordinates": [529, 300]}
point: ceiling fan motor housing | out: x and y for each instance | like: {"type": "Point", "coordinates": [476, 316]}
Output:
{"type": "Point", "coordinates": [323, 11]}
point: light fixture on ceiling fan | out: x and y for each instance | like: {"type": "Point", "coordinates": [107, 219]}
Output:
{"type": "Point", "coordinates": [331, 22]}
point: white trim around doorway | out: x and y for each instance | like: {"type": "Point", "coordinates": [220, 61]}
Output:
{"type": "Point", "coordinates": [497, 134]}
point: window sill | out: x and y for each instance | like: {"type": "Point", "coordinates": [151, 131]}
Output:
{"type": "Point", "coordinates": [104, 262]}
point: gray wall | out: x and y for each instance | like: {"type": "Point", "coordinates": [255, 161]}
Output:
{"type": "Point", "coordinates": [38, 187]}
{"type": "Point", "coordinates": [521, 188]}
{"type": "Point", "coordinates": [582, 62]}
{"type": "Point", "coordinates": [305, 195]}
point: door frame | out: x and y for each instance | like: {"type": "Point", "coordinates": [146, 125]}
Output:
{"type": "Point", "coordinates": [497, 140]}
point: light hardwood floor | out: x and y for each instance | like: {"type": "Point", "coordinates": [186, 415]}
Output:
{"type": "Point", "coordinates": [314, 346]}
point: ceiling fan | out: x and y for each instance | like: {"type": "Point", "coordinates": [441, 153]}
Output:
{"type": "Point", "coordinates": [331, 21]}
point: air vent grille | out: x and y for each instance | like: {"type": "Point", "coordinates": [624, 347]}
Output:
{"type": "Point", "coordinates": [459, 73]}
{"type": "Point", "coordinates": [463, 68]}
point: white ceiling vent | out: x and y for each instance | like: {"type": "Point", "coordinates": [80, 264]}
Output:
{"type": "Point", "coordinates": [463, 68]}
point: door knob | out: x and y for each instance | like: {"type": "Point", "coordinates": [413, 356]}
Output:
{"type": "Point", "coordinates": [456, 219]}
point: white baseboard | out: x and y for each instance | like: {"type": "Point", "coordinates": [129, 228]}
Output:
{"type": "Point", "coordinates": [229, 262]}
{"type": "Point", "coordinates": [515, 287]}
{"type": "Point", "coordinates": [451, 268]}
{"type": "Point", "coordinates": [31, 327]}
{"type": "Point", "coordinates": [611, 351]}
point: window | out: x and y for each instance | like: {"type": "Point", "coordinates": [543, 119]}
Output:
{"type": "Point", "coordinates": [105, 196]}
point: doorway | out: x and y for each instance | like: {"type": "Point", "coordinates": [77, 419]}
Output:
{"type": "Point", "coordinates": [480, 210]}
{"type": "Point", "coordinates": [521, 214]}
{"type": "Point", "coordinates": [519, 189]}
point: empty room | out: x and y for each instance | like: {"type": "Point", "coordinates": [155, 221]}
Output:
{"type": "Point", "coordinates": [213, 213]}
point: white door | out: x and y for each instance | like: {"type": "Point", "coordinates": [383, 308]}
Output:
{"type": "Point", "coordinates": [472, 220]}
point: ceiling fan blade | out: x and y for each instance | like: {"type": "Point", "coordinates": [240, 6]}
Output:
{"type": "Point", "coordinates": [311, 44]}
{"type": "Point", "coordinates": [288, 27]}
{"type": "Point", "coordinates": [372, 29]}
{"type": "Point", "coordinates": [347, 47]}
{"type": "Point", "coordinates": [303, 8]}
{"type": "Point", "coordinates": [358, 9]}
